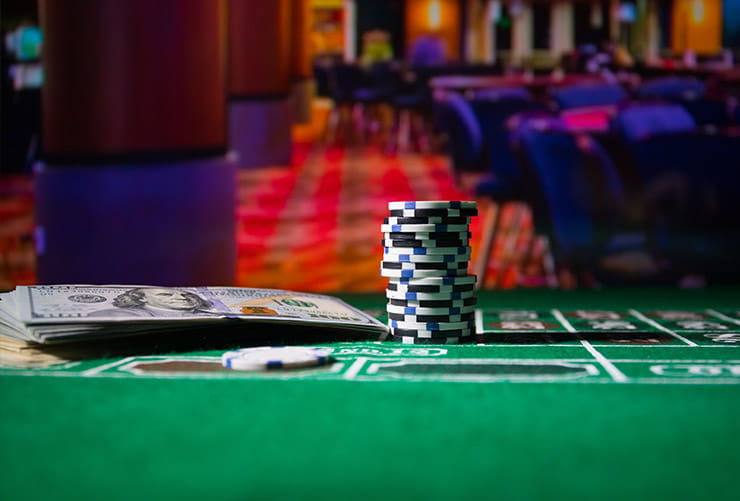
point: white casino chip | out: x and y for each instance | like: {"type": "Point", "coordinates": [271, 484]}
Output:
{"type": "Point", "coordinates": [430, 258]}
{"type": "Point", "coordinates": [422, 273]}
{"type": "Point", "coordinates": [427, 251]}
{"type": "Point", "coordinates": [436, 340]}
{"type": "Point", "coordinates": [275, 357]}
{"type": "Point", "coordinates": [425, 228]}
{"type": "Point", "coordinates": [433, 204]}
{"type": "Point", "coordinates": [459, 280]}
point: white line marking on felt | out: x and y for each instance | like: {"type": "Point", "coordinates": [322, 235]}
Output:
{"type": "Point", "coordinates": [649, 381]}
{"type": "Point", "coordinates": [722, 316]}
{"type": "Point", "coordinates": [665, 346]}
{"type": "Point", "coordinates": [615, 373]}
{"type": "Point", "coordinates": [655, 324]}
{"type": "Point", "coordinates": [96, 370]}
{"type": "Point", "coordinates": [561, 318]}
{"type": "Point", "coordinates": [355, 368]}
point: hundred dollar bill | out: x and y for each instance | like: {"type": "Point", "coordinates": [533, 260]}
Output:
{"type": "Point", "coordinates": [55, 312]}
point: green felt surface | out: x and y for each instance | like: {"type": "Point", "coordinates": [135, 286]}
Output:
{"type": "Point", "coordinates": [115, 435]}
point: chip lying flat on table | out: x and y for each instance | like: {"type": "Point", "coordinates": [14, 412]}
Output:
{"type": "Point", "coordinates": [275, 357]}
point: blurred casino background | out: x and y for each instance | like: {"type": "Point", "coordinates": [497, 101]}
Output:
{"type": "Point", "coordinates": [254, 143]}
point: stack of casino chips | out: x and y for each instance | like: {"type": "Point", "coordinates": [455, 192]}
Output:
{"type": "Point", "coordinates": [426, 253]}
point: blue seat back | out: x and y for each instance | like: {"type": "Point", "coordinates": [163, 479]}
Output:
{"type": "Point", "coordinates": [588, 95]}
{"type": "Point", "coordinates": [637, 122]}
{"type": "Point", "coordinates": [455, 117]}
{"type": "Point", "coordinates": [501, 93]}
{"type": "Point", "coordinates": [672, 89]}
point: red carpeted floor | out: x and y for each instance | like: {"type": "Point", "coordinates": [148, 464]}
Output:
{"type": "Point", "coordinates": [311, 226]}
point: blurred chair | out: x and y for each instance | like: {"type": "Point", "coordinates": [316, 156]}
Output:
{"type": "Point", "coordinates": [501, 93]}
{"type": "Point", "coordinates": [383, 84]}
{"type": "Point", "coordinates": [457, 120]}
{"type": "Point", "coordinates": [589, 95]}
{"type": "Point", "coordinates": [640, 120]}
{"type": "Point", "coordinates": [691, 95]}
{"type": "Point", "coordinates": [637, 122]}
{"type": "Point", "coordinates": [503, 181]}
{"type": "Point", "coordinates": [343, 81]}
{"type": "Point", "coordinates": [689, 199]}
{"type": "Point", "coordinates": [321, 75]}
{"type": "Point", "coordinates": [493, 117]}
{"type": "Point", "coordinates": [578, 202]}
{"type": "Point", "coordinates": [412, 119]}
{"type": "Point", "coordinates": [708, 112]}
{"type": "Point", "coordinates": [672, 89]}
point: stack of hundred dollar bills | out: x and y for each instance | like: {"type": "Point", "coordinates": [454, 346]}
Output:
{"type": "Point", "coordinates": [42, 316]}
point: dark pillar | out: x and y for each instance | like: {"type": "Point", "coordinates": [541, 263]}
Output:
{"type": "Point", "coordinates": [301, 68]}
{"type": "Point", "coordinates": [260, 111]}
{"type": "Point", "coordinates": [135, 186]}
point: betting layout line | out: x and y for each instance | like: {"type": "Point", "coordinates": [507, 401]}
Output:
{"type": "Point", "coordinates": [355, 368]}
{"type": "Point", "coordinates": [655, 324]}
{"type": "Point", "coordinates": [596, 345]}
{"type": "Point", "coordinates": [722, 316]}
{"type": "Point", "coordinates": [97, 370]}
{"type": "Point", "coordinates": [617, 375]}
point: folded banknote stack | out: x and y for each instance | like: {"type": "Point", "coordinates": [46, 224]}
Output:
{"type": "Point", "coordinates": [66, 320]}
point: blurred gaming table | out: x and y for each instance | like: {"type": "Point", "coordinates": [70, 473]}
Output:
{"type": "Point", "coordinates": [613, 394]}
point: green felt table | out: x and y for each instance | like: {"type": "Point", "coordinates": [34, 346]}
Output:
{"type": "Point", "coordinates": [579, 409]}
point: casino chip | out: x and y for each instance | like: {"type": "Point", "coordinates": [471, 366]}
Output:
{"type": "Point", "coordinates": [428, 235]}
{"type": "Point", "coordinates": [426, 334]}
{"type": "Point", "coordinates": [427, 220]}
{"type": "Point", "coordinates": [392, 286]}
{"type": "Point", "coordinates": [390, 265]}
{"type": "Point", "coordinates": [422, 273]}
{"type": "Point", "coordinates": [433, 303]}
{"type": "Point", "coordinates": [275, 357]}
{"type": "Point", "coordinates": [433, 212]}
{"type": "Point", "coordinates": [436, 244]}
{"type": "Point", "coordinates": [426, 253]}
{"type": "Point", "coordinates": [424, 228]}
{"type": "Point", "coordinates": [431, 326]}
{"type": "Point", "coordinates": [432, 204]}
{"type": "Point", "coordinates": [439, 258]}
{"type": "Point", "coordinates": [430, 340]}
{"type": "Point", "coordinates": [443, 319]}
{"type": "Point", "coordinates": [421, 310]}
{"type": "Point", "coordinates": [464, 279]}
{"type": "Point", "coordinates": [434, 296]}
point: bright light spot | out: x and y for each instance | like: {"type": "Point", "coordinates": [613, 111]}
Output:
{"type": "Point", "coordinates": [434, 14]}
{"type": "Point", "coordinates": [697, 10]}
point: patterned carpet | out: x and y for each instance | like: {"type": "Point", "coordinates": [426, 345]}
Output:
{"type": "Point", "coordinates": [312, 226]}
